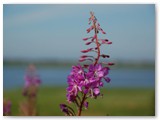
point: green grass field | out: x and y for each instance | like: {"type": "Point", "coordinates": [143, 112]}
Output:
{"type": "Point", "coordinates": [115, 102]}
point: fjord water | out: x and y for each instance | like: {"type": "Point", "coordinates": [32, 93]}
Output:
{"type": "Point", "coordinates": [13, 77]}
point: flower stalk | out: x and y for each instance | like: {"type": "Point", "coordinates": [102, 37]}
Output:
{"type": "Point", "coordinates": [82, 102]}
{"type": "Point", "coordinates": [30, 91]}
{"type": "Point", "coordinates": [87, 79]}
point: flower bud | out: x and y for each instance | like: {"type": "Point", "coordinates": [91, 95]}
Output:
{"type": "Point", "coordinates": [88, 50]}
{"type": "Point", "coordinates": [103, 32]}
{"type": "Point", "coordinates": [82, 59]}
{"type": "Point", "coordinates": [110, 63]}
{"type": "Point", "coordinates": [109, 43]}
{"type": "Point", "coordinates": [88, 43]}
{"type": "Point", "coordinates": [104, 56]}
{"type": "Point", "coordinates": [84, 56]}
{"type": "Point", "coordinates": [85, 39]}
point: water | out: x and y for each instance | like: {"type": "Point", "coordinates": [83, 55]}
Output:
{"type": "Point", "coordinates": [13, 77]}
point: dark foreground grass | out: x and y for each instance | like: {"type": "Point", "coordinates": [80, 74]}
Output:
{"type": "Point", "coordinates": [115, 102]}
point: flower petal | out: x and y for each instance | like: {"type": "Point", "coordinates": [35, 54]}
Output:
{"type": "Point", "coordinates": [96, 91]}
{"type": "Point", "coordinates": [100, 74]}
{"type": "Point", "coordinates": [85, 105]}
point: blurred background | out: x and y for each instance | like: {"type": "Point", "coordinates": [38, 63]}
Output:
{"type": "Point", "coordinates": [50, 36]}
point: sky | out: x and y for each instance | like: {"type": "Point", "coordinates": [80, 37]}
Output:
{"type": "Point", "coordinates": [53, 31]}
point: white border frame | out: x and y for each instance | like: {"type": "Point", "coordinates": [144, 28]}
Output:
{"type": "Point", "coordinates": [157, 58]}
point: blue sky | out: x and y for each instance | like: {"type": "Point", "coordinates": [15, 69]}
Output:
{"type": "Point", "coordinates": [56, 31]}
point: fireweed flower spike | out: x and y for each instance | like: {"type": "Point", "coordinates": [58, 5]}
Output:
{"type": "Point", "coordinates": [85, 81]}
{"type": "Point", "coordinates": [32, 82]}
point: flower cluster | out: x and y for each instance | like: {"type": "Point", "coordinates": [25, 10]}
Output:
{"type": "Point", "coordinates": [6, 107]}
{"type": "Point", "coordinates": [32, 81]}
{"type": "Point", "coordinates": [30, 91]}
{"type": "Point", "coordinates": [85, 81]}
